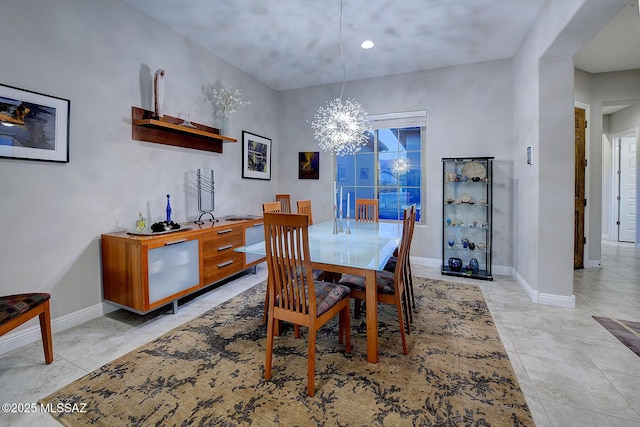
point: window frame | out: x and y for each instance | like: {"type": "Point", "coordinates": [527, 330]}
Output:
{"type": "Point", "coordinates": [411, 119]}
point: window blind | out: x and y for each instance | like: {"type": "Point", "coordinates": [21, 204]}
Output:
{"type": "Point", "coordinates": [398, 120]}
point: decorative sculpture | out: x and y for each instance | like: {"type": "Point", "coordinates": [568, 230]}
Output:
{"type": "Point", "coordinates": [158, 93]}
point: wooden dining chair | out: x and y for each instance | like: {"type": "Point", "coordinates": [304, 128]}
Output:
{"type": "Point", "coordinates": [285, 201]}
{"type": "Point", "coordinates": [272, 207]}
{"type": "Point", "coordinates": [304, 207]}
{"type": "Point", "coordinates": [392, 264]}
{"type": "Point", "coordinates": [391, 286]}
{"type": "Point", "coordinates": [294, 296]}
{"type": "Point", "coordinates": [19, 308]}
{"type": "Point", "coordinates": [367, 210]}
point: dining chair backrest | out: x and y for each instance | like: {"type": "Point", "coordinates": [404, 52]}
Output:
{"type": "Point", "coordinates": [367, 210]}
{"type": "Point", "coordinates": [289, 263]}
{"type": "Point", "coordinates": [304, 207]}
{"type": "Point", "coordinates": [400, 273]}
{"type": "Point", "coordinates": [285, 201]}
{"type": "Point", "coordinates": [272, 207]}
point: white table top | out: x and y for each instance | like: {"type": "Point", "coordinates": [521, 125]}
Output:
{"type": "Point", "coordinates": [370, 245]}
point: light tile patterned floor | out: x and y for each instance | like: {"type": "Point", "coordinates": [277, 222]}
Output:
{"type": "Point", "coordinates": [572, 371]}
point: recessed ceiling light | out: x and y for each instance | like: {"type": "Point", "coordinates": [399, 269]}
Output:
{"type": "Point", "coordinates": [367, 44]}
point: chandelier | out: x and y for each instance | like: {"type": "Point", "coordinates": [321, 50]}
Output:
{"type": "Point", "coordinates": [400, 166]}
{"type": "Point", "coordinates": [340, 126]}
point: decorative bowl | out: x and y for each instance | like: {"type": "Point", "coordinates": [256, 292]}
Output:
{"type": "Point", "coordinates": [455, 264]}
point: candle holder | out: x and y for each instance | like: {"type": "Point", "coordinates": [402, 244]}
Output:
{"type": "Point", "coordinates": [340, 223]}
{"type": "Point", "coordinates": [335, 219]}
{"type": "Point", "coordinates": [348, 228]}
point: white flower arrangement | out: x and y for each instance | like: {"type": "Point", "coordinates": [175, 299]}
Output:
{"type": "Point", "coordinates": [227, 101]}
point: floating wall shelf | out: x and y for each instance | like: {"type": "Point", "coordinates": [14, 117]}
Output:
{"type": "Point", "coordinates": [169, 131]}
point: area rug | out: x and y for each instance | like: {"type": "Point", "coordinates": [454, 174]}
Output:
{"type": "Point", "coordinates": [209, 371]}
{"type": "Point", "coordinates": [626, 331]}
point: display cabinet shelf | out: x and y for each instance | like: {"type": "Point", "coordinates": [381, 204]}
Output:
{"type": "Point", "coordinates": [467, 216]}
{"type": "Point", "coordinates": [170, 131]}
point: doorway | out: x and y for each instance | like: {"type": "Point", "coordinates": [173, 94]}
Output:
{"type": "Point", "coordinates": [579, 194]}
{"type": "Point", "coordinates": [625, 168]}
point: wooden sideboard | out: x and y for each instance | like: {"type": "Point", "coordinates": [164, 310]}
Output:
{"type": "Point", "coordinates": [142, 273]}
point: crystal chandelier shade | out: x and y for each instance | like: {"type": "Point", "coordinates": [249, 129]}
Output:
{"type": "Point", "coordinates": [340, 127]}
{"type": "Point", "coordinates": [400, 166]}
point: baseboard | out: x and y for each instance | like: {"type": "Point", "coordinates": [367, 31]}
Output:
{"type": "Point", "coordinates": [544, 298]}
{"type": "Point", "coordinates": [593, 263]}
{"type": "Point", "coordinates": [22, 337]}
{"type": "Point", "coordinates": [532, 293]}
{"type": "Point", "coordinates": [557, 300]}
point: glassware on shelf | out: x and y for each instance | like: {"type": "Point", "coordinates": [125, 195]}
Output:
{"type": "Point", "coordinates": [187, 123]}
{"type": "Point", "coordinates": [141, 223]}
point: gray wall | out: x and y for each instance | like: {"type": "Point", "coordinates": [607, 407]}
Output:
{"type": "Point", "coordinates": [101, 55]}
{"type": "Point", "coordinates": [468, 114]}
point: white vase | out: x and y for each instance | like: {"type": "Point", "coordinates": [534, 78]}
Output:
{"type": "Point", "coordinates": [223, 125]}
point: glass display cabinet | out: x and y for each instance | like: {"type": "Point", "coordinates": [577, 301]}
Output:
{"type": "Point", "coordinates": [467, 215]}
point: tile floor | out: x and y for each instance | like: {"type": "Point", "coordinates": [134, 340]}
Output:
{"type": "Point", "coordinates": [572, 371]}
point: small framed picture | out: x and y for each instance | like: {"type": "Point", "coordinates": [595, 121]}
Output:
{"type": "Point", "coordinates": [309, 165]}
{"type": "Point", "coordinates": [256, 156]}
{"type": "Point", "coordinates": [33, 126]}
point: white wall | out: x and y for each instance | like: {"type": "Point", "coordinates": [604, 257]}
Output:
{"type": "Point", "coordinates": [596, 89]}
{"type": "Point", "coordinates": [624, 120]}
{"type": "Point", "coordinates": [101, 56]}
{"type": "Point", "coordinates": [468, 114]}
{"type": "Point", "coordinates": [543, 119]}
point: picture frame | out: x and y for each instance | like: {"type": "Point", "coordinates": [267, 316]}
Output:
{"type": "Point", "coordinates": [256, 156]}
{"type": "Point", "coordinates": [33, 126]}
{"type": "Point", "coordinates": [309, 165]}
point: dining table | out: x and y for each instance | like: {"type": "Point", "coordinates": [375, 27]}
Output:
{"type": "Point", "coordinates": [351, 247]}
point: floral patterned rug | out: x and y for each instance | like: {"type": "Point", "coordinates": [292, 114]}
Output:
{"type": "Point", "coordinates": [209, 371]}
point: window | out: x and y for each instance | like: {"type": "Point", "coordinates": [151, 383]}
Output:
{"type": "Point", "coordinates": [368, 174]}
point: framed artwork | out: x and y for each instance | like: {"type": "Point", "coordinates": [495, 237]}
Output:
{"type": "Point", "coordinates": [256, 156]}
{"type": "Point", "coordinates": [33, 126]}
{"type": "Point", "coordinates": [309, 165]}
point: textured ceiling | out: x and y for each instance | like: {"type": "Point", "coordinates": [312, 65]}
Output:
{"type": "Point", "coordinates": [296, 43]}
{"type": "Point", "coordinates": [289, 44]}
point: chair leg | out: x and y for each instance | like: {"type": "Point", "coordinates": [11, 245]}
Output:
{"type": "Point", "coordinates": [270, 331]}
{"type": "Point", "coordinates": [346, 327]}
{"type": "Point", "coordinates": [266, 309]}
{"type": "Point", "coordinates": [413, 298]}
{"type": "Point", "coordinates": [407, 308]}
{"type": "Point", "coordinates": [311, 369]}
{"type": "Point", "coordinates": [357, 308]}
{"type": "Point", "coordinates": [45, 331]}
{"type": "Point", "coordinates": [399, 305]}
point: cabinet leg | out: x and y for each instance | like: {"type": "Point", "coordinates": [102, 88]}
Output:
{"type": "Point", "coordinates": [174, 307]}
